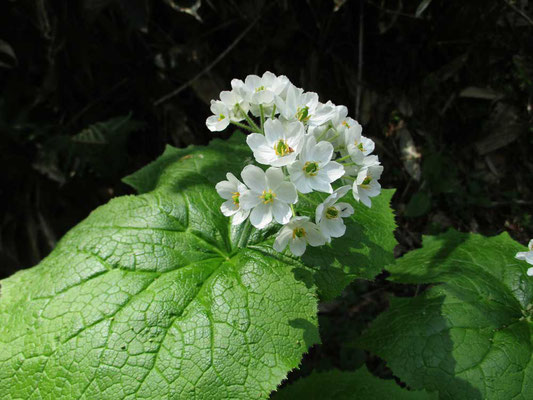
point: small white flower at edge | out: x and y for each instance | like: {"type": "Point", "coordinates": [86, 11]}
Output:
{"type": "Point", "coordinates": [329, 214]}
{"type": "Point", "coordinates": [527, 256]}
{"type": "Point", "coordinates": [357, 146]}
{"type": "Point", "coordinates": [314, 169]}
{"type": "Point", "coordinates": [269, 196]}
{"type": "Point", "coordinates": [231, 190]}
{"type": "Point", "coordinates": [280, 144]}
{"type": "Point", "coordinates": [221, 119]}
{"type": "Point", "coordinates": [366, 184]}
{"type": "Point", "coordinates": [297, 234]}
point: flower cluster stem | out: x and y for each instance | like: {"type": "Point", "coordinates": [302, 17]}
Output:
{"type": "Point", "coordinates": [242, 126]}
{"type": "Point", "coordinates": [262, 119]}
{"type": "Point", "coordinates": [249, 120]}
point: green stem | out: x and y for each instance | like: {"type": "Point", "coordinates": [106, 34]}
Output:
{"type": "Point", "coordinates": [262, 118]}
{"type": "Point", "coordinates": [343, 158]}
{"type": "Point", "coordinates": [292, 209]}
{"type": "Point", "coordinates": [350, 164]}
{"type": "Point", "coordinates": [323, 133]}
{"type": "Point", "coordinates": [249, 120]}
{"type": "Point", "coordinates": [273, 112]}
{"type": "Point", "coordinates": [242, 126]}
{"type": "Point", "coordinates": [331, 139]}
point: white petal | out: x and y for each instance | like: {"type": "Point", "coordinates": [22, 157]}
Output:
{"type": "Point", "coordinates": [214, 124]}
{"type": "Point", "coordinates": [282, 239]}
{"type": "Point", "coordinates": [283, 161]}
{"type": "Point", "coordinates": [274, 131]}
{"type": "Point", "coordinates": [322, 152]}
{"type": "Point", "coordinates": [282, 212]}
{"type": "Point", "coordinates": [334, 170]}
{"type": "Point", "coordinates": [333, 227]}
{"type": "Point", "coordinates": [261, 216]}
{"type": "Point", "coordinates": [249, 199]}
{"type": "Point", "coordinates": [225, 189]}
{"type": "Point", "coordinates": [274, 177]}
{"type": "Point", "coordinates": [345, 209]}
{"type": "Point", "coordinates": [240, 216]}
{"type": "Point", "coordinates": [229, 208]}
{"type": "Point", "coordinates": [363, 197]}
{"type": "Point", "coordinates": [301, 182]}
{"type": "Point", "coordinates": [266, 155]}
{"type": "Point", "coordinates": [319, 213]}
{"type": "Point", "coordinates": [254, 178]}
{"type": "Point", "coordinates": [255, 141]}
{"type": "Point", "coordinates": [297, 246]}
{"type": "Point", "coordinates": [313, 235]}
{"type": "Point", "coordinates": [530, 272]}
{"type": "Point", "coordinates": [320, 183]}
{"type": "Point", "coordinates": [286, 192]}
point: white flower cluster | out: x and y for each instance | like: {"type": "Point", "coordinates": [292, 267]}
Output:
{"type": "Point", "coordinates": [307, 145]}
{"type": "Point", "coordinates": [527, 256]}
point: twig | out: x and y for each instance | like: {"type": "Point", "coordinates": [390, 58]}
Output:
{"type": "Point", "coordinates": [520, 12]}
{"type": "Point", "coordinates": [391, 12]}
{"type": "Point", "coordinates": [359, 61]}
{"type": "Point", "coordinates": [177, 91]}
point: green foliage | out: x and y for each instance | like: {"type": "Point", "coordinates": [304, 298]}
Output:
{"type": "Point", "coordinates": [343, 385]}
{"type": "Point", "coordinates": [469, 337]}
{"type": "Point", "coordinates": [157, 295]}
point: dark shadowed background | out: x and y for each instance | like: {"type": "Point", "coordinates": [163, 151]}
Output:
{"type": "Point", "coordinates": [92, 90]}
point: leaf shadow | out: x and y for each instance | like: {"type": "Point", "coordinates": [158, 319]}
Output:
{"type": "Point", "coordinates": [419, 351]}
{"type": "Point", "coordinates": [310, 332]}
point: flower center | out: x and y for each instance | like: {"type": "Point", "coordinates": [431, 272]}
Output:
{"type": "Point", "coordinates": [268, 196]}
{"type": "Point", "coordinates": [298, 233]}
{"type": "Point", "coordinates": [332, 213]}
{"type": "Point", "coordinates": [311, 168]}
{"type": "Point", "coordinates": [366, 182]}
{"type": "Point", "coordinates": [302, 114]}
{"type": "Point", "coordinates": [360, 146]}
{"type": "Point", "coordinates": [235, 198]}
{"type": "Point", "coordinates": [282, 148]}
{"type": "Point", "coordinates": [258, 89]}
{"type": "Point", "coordinates": [346, 124]}
{"type": "Point", "coordinates": [221, 117]}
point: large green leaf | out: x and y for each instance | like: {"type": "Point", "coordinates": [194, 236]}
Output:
{"type": "Point", "coordinates": [470, 337]}
{"type": "Point", "coordinates": [158, 296]}
{"type": "Point", "coordinates": [344, 385]}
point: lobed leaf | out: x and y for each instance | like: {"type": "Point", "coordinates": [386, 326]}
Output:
{"type": "Point", "coordinates": [470, 337]}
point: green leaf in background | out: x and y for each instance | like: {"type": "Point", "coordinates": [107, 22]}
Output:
{"type": "Point", "coordinates": [344, 385]}
{"type": "Point", "coordinates": [158, 296]}
{"type": "Point", "coordinates": [469, 337]}
{"type": "Point", "coordinates": [419, 204]}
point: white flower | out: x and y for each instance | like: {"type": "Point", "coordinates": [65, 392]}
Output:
{"type": "Point", "coordinates": [329, 214]}
{"type": "Point", "coordinates": [269, 195]}
{"type": "Point", "coordinates": [235, 104]}
{"type": "Point", "coordinates": [231, 190]}
{"type": "Point", "coordinates": [304, 107]}
{"type": "Point", "coordinates": [261, 90]}
{"type": "Point", "coordinates": [357, 146]}
{"type": "Point", "coordinates": [280, 144]}
{"type": "Point", "coordinates": [527, 256]}
{"type": "Point", "coordinates": [221, 119]}
{"type": "Point", "coordinates": [314, 169]}
{"type": "Point", "coordinates": [334, 130]}
{"type": "Point", "coordinates": [366, 184]}
{"type": "Point", "coordinates": [297, 233]}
